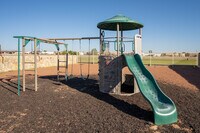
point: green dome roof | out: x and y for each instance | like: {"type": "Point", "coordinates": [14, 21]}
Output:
{"type": "Point", "coordinates": [124, 22]}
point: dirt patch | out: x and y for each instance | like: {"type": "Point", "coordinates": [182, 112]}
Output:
{"type": "Point", "coordinates": [183, 76]}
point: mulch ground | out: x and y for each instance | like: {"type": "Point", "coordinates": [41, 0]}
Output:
{"type": "Point", "coordinates": [78, 106]}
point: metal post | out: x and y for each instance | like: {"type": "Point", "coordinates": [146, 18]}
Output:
{"type": "Point", "coordinates": [66, 66]}
{"type": "Point", "coordinates": [18, 85]}
{"type": "Point", "coordinates": [140, 31]}
{"type": "Point", "coordinates": [35, 62]}
{"type": "Point", "coordinates": [117, 39]}
{"type": "Point", "coordinates": [119, 74]}
{"type": "Point", "coordinates": [23, 62]}
{"type": "Point", "coordinates": [100, 42]}
{"type": "Point", "coordinates": [172, 58]}
{"type": "Point", "coordinates": [58, 65]}
{"type": "Point", "coordinates": [121, 41]}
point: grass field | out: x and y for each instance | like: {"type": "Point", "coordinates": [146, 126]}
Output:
{"type": "Point", "coordinates": [146, 60]}
{"type": "Point", "coordinates": [169, 60]}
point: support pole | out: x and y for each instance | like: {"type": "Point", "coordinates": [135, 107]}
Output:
{"type": "Point", "coordinates": [140, 31]}
{"type": "Point", "coordinates": [117, 39]}
{"type": "Point", "coordinates": [66, 66]}
{"type": "Point", "coordinates": [18, 82]}
{"type": "Point", "coordinates": [100, 42]}
{"type": "Point", "coordinates": [58, 65]}
{"type": "Point", "coordinates": [35, 62]}
{"type": "Point", "coordinates": [119, 72]}
{"type": "Point", "coordinates": [23, 62]}
{"type": "Point", "coordinates": [121, 41]}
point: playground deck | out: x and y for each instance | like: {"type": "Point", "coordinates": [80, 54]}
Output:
{"type": "Point", "coordinates": [78, 105]}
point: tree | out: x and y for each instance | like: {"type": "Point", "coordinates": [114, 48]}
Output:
{"type": "Point", "coordinates": [94, 50]}
{"type": "Point", "coordinates": [64, 52]}
{"type": "Point", "coordinates": [72, 52]}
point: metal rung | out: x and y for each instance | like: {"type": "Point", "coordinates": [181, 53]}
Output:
{"type": "Point", "coordinates": [29, 70]}
{"type": "Point", "coordinates": [62, 66]}
{"type": "Point", "coordinates": [29, 62]}
{"type": "Point", "coordinates": [62, 61]}
{"type": "Point", "coordinates": [61, 72]}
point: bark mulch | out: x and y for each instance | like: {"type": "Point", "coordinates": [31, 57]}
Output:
{"type": "Point", "coordinates": [78, 106]}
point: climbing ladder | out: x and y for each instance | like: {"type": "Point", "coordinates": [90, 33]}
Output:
{"type": "Point", "coordinates": [24, 43]}
{"type": "Point", "coordinates": [59, 66]}
{"type": "Point", "coordinates": [61, 61]}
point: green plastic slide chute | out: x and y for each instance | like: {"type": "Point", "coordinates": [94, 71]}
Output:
{"type": "Point", "coordinates": [163, 107]}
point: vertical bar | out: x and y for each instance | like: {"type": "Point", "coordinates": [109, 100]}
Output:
{"type": "Point", "coordinates": [93, 56]}
{"type": "Point", "coordinates": [18, 82]}
{"type": "Point", "coordinates": [66, 66]}
{"type": "Point", "coordinates": [58, 65]}
{"type": "Point", "coordinates": [100, 43]}
{"type": "Point", "coordinates": [140, 31]}
{"type": "Point", "coordinates": [121, 41]}
{"type": "Point", "coordinates": [35, 62]}
{"type": "Point", "coordinates": [119, 72]}
{"type": "Point", "coordinates": [117, 39]}
{"type": "Point", "coordinates": [23, 62]}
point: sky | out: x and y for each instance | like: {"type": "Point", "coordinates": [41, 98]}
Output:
{"type": "Point", "coordinates": [169, 25]}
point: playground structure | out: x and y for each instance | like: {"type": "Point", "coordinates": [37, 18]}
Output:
{"type": "Point", "coordinates": [110, 66]}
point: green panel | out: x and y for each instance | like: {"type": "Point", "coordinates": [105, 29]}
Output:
{"type": "Point", "coordinates": [57, 47]}
{"type": "Point", "coordinates": [163, 107]}
{"type": "Point", "coordinates": [38, 42]}
{"type": "Point", "coordinates": [26, 41]}
{"type": "Point", "coordinates": [124, 22]}
{"type": "Point", "coordinates": [66, 47]}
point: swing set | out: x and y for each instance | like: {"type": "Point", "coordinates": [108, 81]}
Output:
{"type": "Point", "coordinates": [24, 41]}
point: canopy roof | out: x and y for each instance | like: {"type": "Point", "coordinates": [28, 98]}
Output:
{"type": "Point", "coordinates": [124, 22]}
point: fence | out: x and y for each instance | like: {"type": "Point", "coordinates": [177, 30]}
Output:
{"type": "Point", "coordinates": [154, 59]}
{"type": "Point", "coordinates": [170, 59]}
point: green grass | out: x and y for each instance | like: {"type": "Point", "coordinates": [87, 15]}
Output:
{"type": "Point", "coordinates": [168, 61]}
{"type": "Point", "coordinates": [86, 59]}
{"type": "Point", "coordinates": [146, 60]}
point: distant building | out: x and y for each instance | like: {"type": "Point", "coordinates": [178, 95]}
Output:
{"type": "Point", "coordinates": [47, 53]}
{"type": "Point", "coordinates": [152, 54]}
{"type": "Point", "coordinates": [81, 53]}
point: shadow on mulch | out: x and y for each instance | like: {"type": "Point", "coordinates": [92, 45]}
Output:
{"type": "Point", "coordinates": [190, 73]}
{"type": "Point", "coordinates": [10, 85]}
{"type": "Point", "coordinates": [91, 87]}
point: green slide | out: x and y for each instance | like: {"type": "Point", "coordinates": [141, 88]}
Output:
{"type": "Point", "coordinates": [163, 107]}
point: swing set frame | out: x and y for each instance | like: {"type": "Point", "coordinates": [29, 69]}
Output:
{"type": "Point", "coordinates": [24, 40]}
